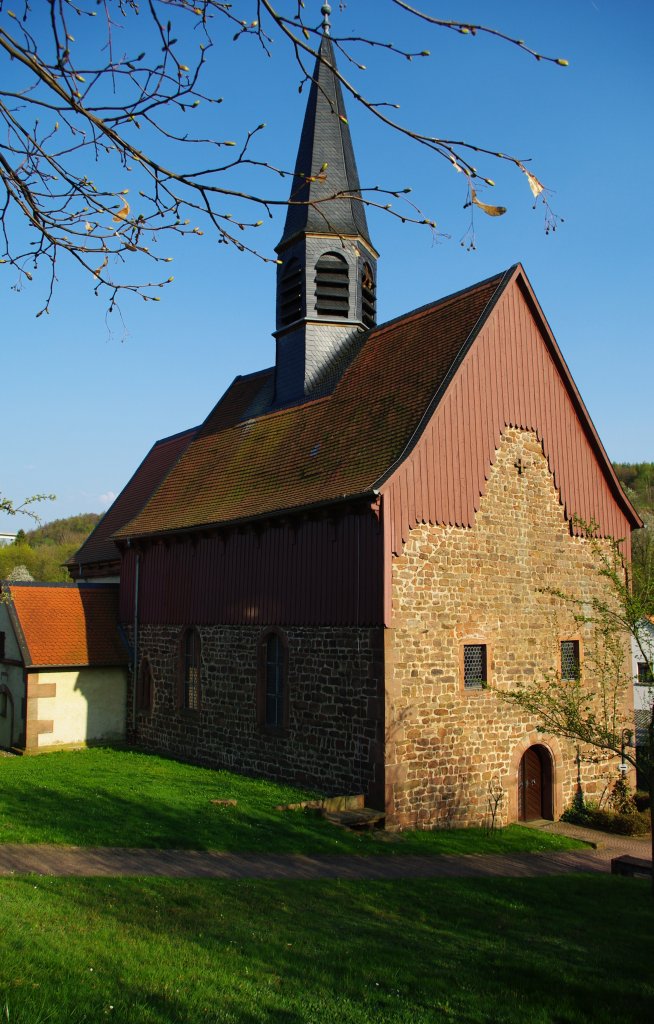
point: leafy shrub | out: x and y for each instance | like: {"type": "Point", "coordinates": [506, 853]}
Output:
{"type": "Point", "coordinates": [625, 813]}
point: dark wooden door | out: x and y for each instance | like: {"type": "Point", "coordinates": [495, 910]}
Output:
{"type": "Point", "coordinates": [530, 786]}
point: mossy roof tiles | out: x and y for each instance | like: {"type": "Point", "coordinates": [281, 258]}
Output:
{"type": "Point", "coordinates": [99, 545]}
{"type": "Point", "coordinates": [323, 450]}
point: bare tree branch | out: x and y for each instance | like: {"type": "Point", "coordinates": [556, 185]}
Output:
{"type": "Point", "coordinates": [72, 110]}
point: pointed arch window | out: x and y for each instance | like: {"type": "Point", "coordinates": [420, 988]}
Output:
{"type": "Point", "coordinates": [368, 297]}
{"type": "Point", "coordinates": [291, 305]}
{"type": "Point", "coordinates": [190, 653]}
{"type": "Point", "coordinates": [332, 286]}
{"type": "Point", "coordinates": [272, 689]}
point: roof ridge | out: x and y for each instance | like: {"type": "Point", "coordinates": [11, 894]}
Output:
{"type": "Point", "coordinates": [429, 306]}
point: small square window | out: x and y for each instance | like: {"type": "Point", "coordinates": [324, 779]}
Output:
{"type": "Point", "coordinates": [570, 660]}
{"type": "Point", "coordinates": [475, 675]}
{"type": "Point", "coordinates": [644, 673]}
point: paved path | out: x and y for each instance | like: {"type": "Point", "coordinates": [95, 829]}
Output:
{"type": "Point", "coordinates": [82, 861]}
{"type": "Point", "coordinates": [607, 844]}
{"type": "Point", "coordinates": [105, 861]}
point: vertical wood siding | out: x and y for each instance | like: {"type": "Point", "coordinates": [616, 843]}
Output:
{"type": "Point", "coordinates": [509, 378]}
{"type": "Point", "coordinates": [324, 572]}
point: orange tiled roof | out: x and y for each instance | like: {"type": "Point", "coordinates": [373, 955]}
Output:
{"type": "Point", "coordinates": [67, 625]}
{"type": "Point", "coordinates": [326, 449]}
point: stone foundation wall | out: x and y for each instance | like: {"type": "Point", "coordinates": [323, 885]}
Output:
{"type": "Point", "coordinates": [445, 746]}
{"type": "Point", "coordinates": [335, 684]}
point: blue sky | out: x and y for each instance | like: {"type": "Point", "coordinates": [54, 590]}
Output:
{"type": "Point", "coordinates": [84, 395]}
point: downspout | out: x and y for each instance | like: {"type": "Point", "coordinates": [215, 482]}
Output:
{"type": "Point", "coordinates": [136, 639]}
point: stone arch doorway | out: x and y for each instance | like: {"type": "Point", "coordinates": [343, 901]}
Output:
{"type": "Point", "coordinates": [535, 788]}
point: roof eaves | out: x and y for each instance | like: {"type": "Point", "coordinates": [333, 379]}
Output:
{"type": "Point", "coordinates": [370, 494]}
{"type": "Point", "coordinates": [74, 560]}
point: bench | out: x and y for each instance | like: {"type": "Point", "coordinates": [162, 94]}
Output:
{"type": "Point", "coordinates": [631, 866]}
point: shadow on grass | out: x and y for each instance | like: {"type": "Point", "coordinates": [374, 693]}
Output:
{"type": "Point", "coordinates": [104, 797]}
{"type": "Point", "coordinates": [541, 950]}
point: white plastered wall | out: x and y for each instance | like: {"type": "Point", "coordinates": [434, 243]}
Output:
{"type": "Point", "coordinates": [89, 705]}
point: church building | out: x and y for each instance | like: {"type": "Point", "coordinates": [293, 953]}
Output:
{"type": "Point", "coordinates": [327, 580]}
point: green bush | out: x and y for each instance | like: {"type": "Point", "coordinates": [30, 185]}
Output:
{"type": "Point", "coordinates": [629, 823]}
{"type": "Point", "coordinates": [641, 800]}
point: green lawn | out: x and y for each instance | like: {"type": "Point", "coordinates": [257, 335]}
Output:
{"type": "Point", "coordinates": [104, 797]}
{"type": "Point", "coordinates": [559, 950]}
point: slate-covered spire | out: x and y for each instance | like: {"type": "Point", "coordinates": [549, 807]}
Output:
{"type": "Point", "coordinates": [326, 278]}
{"type": "Point", "coordinates": [326, 140]}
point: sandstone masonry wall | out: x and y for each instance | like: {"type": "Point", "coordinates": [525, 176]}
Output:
{"type": "Point", "coordinates": [445, 746]}
{"type": "Point", "coordinates": [335, 683]}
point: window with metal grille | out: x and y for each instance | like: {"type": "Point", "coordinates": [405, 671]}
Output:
{"type": "Point", "coordinates": [332, 286]}
{"type": "Point", "coordinates": [569, 660]}
{"type": "Point", "coordinates": [191, 670]}
{"type": "Point", "coordinates": [291, 306]}
{"type": "Point", "coordinates": [645, 673]}
{"type": "Point", "coordinates": [274, 681]}
{"type": "Point", "coordinates": [368, 303]}
{"type": "Point", "coordinates": [475, 675]}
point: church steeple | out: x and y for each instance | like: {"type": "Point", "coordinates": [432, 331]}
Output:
{"type": "Point", "coordinates": [327, 274]}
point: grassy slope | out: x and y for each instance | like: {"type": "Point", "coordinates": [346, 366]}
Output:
{"type": "Point", "coordinates": [120, 798]}
{"type": "Point", "coordinates": [561, 950]}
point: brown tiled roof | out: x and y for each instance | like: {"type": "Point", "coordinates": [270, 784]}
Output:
{"type": "Point", "coordinates": [61, 624]}
{"type": "Point", "coordinates": [326, 449]}
{"type": "Point", "coordinates": [99, 546]}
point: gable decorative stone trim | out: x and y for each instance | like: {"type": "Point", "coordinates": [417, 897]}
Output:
{"type": "Point", "coordinates": [445, 747]}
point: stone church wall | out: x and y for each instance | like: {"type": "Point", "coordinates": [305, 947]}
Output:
{"type": "Point", "coordinates": [335, 706]}
{"type": "Point", "coordinates": [446, 747]}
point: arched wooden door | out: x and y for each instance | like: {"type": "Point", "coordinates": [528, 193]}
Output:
{"type": "Point", "coordinates": [535, 796]}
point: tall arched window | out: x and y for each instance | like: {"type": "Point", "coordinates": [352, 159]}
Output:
{"type": "Point", "coordinates": [290, 293]}
{"type": "Point", "coordinates": [272, 695]}
{"type": "Point", "coordinates": [332, 286]}
{"type": "Point", "coordinates": [190, 670]}
{"type": "Point", "coordinates": [368, 298]}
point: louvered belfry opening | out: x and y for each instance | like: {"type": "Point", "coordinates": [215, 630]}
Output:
{"type": "Point", "coordinates": [291, 306]}
{"type": "Point", "coordinates": [368, 298]}
{"type": "Point", "coordinates": [332, 286]}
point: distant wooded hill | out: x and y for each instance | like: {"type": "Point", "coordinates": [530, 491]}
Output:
{"type": "Point", "coordinates": [44, 550]}
{"type": "Point", "coordinates": [637, 479]}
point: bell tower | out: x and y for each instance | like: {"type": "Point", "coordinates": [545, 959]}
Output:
{"type": "Point", "coordinates": [327, 274]}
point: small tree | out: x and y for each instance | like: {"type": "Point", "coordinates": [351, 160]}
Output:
{"type": "Point", "coordinates": [589, 709]}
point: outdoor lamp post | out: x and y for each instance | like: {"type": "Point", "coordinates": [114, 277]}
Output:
{"type": "Point", "coordinates": [626, 738]}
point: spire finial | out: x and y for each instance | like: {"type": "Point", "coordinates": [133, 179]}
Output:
{"type": "Point", "coordinates": [325, 10]}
